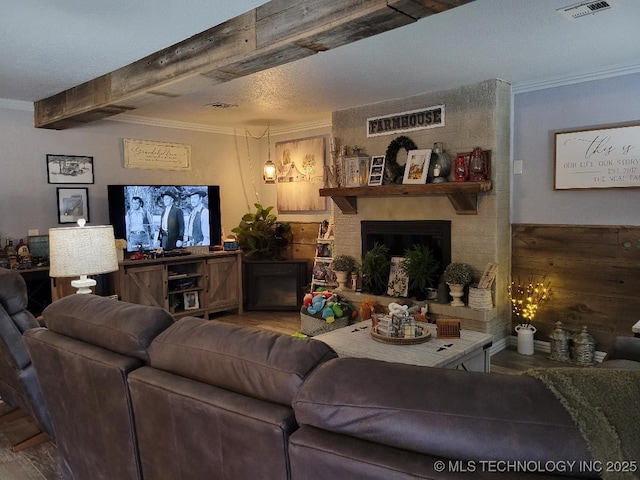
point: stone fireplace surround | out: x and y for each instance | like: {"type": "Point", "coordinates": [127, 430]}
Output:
{"type": "Point", "coordinates": [476, 116]}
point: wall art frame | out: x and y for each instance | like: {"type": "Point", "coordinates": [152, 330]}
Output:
{"type": "Point", "coordinates": [148, 154]}
{"type": "Point", "coordinates": [300, 170]}
{"type": "Point", "coordinates": [599, 157]}
{"type": "Point", "coordinates": [73, 204]}
{"type": "Point", "coordinates": [69, 169]}
{"type": "Point", "coordinates": [417, 166]}
{"type": "Point", "coordinates": [376, 170]}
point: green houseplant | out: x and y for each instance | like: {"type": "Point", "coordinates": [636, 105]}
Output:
{"type": "Point", "coordinates": [260, 235]}
{"type": "Point", "coordinates": [457, 275]}
{"type": "Point", "coordinates": [376, 264]}
{"type": "Point", "coordinates": [343, 265]}
{"type": "Point", "coordinates": [421, 266]}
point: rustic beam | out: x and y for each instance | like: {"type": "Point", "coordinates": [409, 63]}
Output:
{"type": "Point", "coordinates": [276, 33]}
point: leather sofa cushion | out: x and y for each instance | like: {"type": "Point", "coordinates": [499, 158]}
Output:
{"type": "Point", "coordinates": [440, 412]}
{"type": "Point", "coordinates": [261, 364]}
{"type": "Point", "coordinates": [121, 327]}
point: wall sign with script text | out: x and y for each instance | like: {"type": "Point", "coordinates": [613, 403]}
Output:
{"type": "Point", "coordinates": [429, 117]}
{"type": "Point", "coordinates": [606, 157]}
{"type": "Point", "coordinates": [156, 155]}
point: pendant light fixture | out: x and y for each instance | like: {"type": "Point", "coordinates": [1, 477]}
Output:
{"type": "Point", "coordinates": [269, 168]}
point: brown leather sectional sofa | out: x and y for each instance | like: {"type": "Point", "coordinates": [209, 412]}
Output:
{"type": "Point", "coordinates": [134, 395]}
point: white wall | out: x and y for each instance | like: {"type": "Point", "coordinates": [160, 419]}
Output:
{"type": "Point", "coordinates": [536, 116]}
{"type": "Point", "coordinates": [27, 201]}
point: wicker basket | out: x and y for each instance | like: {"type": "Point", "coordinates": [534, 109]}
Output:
{"type": "Point", "coordinates": [315, 326]}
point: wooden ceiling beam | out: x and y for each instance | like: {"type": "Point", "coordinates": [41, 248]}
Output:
{"type": "Point", "coordinates": [276, 33]}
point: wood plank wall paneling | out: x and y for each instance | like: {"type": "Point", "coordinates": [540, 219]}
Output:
{"type": "Point", "coordinates": [303, 243]}
{"type": "Point", "coordinates": [594, 273]}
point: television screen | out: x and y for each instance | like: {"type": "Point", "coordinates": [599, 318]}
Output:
{"type": "Point", "coordinates": [167, 216]}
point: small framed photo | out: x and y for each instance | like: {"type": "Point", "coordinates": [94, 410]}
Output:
{"type": "Point", "coordinates": [376, 170]}
{"type": "Point", "coordinates": [191, 301]}
{"type": "Point", "coordinates": [352, 172]}
{"type": "Point", "coordinates": [69, 169]}
{"type": "Point", "coordinates": [323, 249]}
{"type": "Point", "coordinates": [73, 204]}
{"type": "Point", "coordinates": [417, 166]}
{"type": "Point", "coordinates": [323, 274]}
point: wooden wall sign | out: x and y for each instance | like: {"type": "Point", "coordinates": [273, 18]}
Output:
{"type": "Point", "coordinates": [598, 158]}
{"type": "Point", "coordinates": [156, 155]}
{"type": "Point", "coordinates": [428, 117]}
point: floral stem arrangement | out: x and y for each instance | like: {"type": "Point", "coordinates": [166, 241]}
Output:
{"type": "Point", "coordinates": [528, 297]}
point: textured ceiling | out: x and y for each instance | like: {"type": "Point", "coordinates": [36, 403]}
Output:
{"type": "Point", "coordinates": [47, 47]}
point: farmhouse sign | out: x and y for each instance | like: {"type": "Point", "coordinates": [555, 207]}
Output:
{"type": "Point", "coordinates": [598, 158]}
{"type": "Point", "coordinates": [156, 155]}
{"type": "Point", "coordinates": [429, 117]}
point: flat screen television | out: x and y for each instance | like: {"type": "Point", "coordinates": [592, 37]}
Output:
{"type": "Point", "coordinates": [167, 216]}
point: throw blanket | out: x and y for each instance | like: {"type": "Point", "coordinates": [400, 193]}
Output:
{"type": "Point", "coordinates": [604, 403]}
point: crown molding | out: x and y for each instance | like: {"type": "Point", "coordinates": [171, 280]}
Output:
{"type": "Point", "coordinates": [200, 127]}
{"type": "Point", "coordinates": [16, 105]}
{"type": "Point", "coordinates": [573, 78]}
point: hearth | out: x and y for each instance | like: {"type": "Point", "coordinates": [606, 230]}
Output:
{"type": "Point", "coordinates": [400, 235]}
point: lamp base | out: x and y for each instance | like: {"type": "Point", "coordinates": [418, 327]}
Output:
{"type": "Point", "coordinates": [83, 284]}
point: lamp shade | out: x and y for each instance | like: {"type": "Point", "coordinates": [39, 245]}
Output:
{"type": "Point", "coordinates": [78, 251]}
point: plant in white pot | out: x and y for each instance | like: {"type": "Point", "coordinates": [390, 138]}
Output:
{"type": "Point", "coordinates": [343, 265]}
{"type": "Point", "coordinates": [457, 275]}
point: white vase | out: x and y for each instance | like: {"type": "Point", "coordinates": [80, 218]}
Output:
{"type": "Point", "coordinates": [525, 338]}
{"type": "Point", "coordinates": [341, 277]}
{"type": "Point", "coordinates": [456, 291]}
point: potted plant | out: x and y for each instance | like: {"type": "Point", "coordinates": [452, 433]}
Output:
{"type": "Point", "coordinates": [261, 236]}
{"type": "Point", "coordinates": [457, 275]}
{"type": "Point", "coordinates": [343, 265]}
{"type": "Point", "coordinates": [421, 266]}
{"type": "Point", "coordinates": [376, 264]}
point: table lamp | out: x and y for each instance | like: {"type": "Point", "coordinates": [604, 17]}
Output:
{"type": "Point", "coordinates": [82, 251]}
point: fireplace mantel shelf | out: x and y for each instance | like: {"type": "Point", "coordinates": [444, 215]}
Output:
{"type": "Point", "coordinates": [462, 195]}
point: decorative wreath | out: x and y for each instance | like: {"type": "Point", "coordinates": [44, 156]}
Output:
{"type": "Point", "coordinates": [395, 172]}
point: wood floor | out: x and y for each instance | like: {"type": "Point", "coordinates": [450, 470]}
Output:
{"type": "Point", "coordinates": [40, 462]}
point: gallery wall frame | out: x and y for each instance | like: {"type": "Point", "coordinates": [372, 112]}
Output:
{"type": "Point", "coordinates": [598, 157]}
{"type": "Point", "coordinates": [73, 204]}
{"type": "Point", "coordinates": [69, 169]}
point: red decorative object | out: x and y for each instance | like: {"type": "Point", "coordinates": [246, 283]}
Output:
{"type": "Point", "coordinates": [461, 168]}
{"type": "Point", "coordinates": [478, 166]}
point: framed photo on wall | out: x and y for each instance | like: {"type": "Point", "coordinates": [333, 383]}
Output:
{"type": "Point", "coordinates": [376, 170]}
{"type": "Point", "coordinates": [417, 166]}
{"type": "Point", "coordinates": [73, 204]}
{"type": "Point", "coordinates": [69, 169]}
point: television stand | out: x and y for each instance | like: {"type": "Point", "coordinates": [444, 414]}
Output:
{"type": "Point", "coordinates": [185, 285]}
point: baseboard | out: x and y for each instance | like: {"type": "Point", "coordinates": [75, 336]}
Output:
{"type": "Point", "coordinates": [540, 346]}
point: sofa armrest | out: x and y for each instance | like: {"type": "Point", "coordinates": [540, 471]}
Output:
{"type": "Point", "coordinates": [624, 348]}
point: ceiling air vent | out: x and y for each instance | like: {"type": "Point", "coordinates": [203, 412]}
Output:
{"type": "Point", "coordinates": [221, 105]}
{"type": "Point", "coordinates": [585, 8]}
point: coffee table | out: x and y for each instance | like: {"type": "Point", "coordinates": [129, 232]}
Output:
{"type": "Point", "coordinates": [469, 352]}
